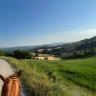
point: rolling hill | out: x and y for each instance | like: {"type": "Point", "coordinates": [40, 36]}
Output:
{"type": "Point", "coordinates": [83, 45]}
{"type": "Point", "coordinates": [10, 49]}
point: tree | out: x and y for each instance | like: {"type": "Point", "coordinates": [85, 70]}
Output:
{"type": "Point", "coordinates": [93, 50]}
{"type": "Point", "coordinates": [21, 54]}
{"type": "Point", "coordinates": [87, 51]}
{"type": "Point", "coordinates": [75, 53]}
{"type": "Point", "coordinates": [8, 53]}
{"type": "Point", "coordinates": [2, 53]}
{"type": "Point", "coordinates": [81, 53]}
{"type": "Point", "coordinates": [36, 55]}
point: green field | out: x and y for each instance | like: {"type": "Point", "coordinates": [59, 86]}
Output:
{"type": "Point", "coordinates": [68, 77]}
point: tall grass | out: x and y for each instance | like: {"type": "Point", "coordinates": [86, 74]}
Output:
{"type": "Point", "coordinates": [81, 72]}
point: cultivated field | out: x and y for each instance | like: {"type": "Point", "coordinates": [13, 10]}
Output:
{"type": "Point", "coordinates": [67, 77]}
{"type": "Point", "coordinates": [48, 56]}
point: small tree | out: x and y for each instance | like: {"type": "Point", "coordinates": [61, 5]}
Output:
{"type": "Point", "coordinates": [93, 50]}
{"type": "Point", "coordinates": [36, 55]}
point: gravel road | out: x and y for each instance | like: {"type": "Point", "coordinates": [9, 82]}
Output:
{"type": "Point", "coordinates": [5, 70]}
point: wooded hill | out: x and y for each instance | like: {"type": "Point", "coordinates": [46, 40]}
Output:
{"type": "Point", "coordinates": [75, 49]}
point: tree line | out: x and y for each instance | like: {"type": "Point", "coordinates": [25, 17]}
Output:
{"type": "Point", "coordinates": [22, 54]}
{"type": "Point", "coordinates": [19, 54]}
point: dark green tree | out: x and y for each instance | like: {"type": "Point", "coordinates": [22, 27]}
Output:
{"type": "Point", "coordinates": [2, 53]}
{"type": "Point", "coordinates": [36, 55]}
{"type": "Point", "coordinates": [21, 54]}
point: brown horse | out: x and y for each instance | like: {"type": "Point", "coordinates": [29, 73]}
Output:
{"type": "Point", "coordinates": [11, 86]}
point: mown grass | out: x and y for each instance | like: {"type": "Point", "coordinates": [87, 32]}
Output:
{"type": "Point", "coordinates": [81, 72]}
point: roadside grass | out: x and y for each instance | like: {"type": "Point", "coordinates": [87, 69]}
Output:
{"type": "Point", "coordinates": [35, 80]}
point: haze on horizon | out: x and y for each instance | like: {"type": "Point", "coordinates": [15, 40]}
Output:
{"type": "Point", "coordinates": [33, 22]}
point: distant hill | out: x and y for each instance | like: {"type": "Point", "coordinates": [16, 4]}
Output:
{"type": "Point", "coordinates": [10, 49]}
{"type": "Point", "coordinates": [83, 45]}
{"type": "Point", "coordinates": [58, 47]}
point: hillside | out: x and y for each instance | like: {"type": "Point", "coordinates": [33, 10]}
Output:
{"type": "Point", "coordinates": [85, 45]}
{"type": "Point", "coordinates": [62, 49]}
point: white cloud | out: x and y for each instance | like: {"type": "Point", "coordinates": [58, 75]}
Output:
{"type": "Point", "coordinates": [77, 36]}
{"type": "Point", "coordinates": [89, 31]}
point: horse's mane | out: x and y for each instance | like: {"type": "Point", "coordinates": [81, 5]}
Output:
{"type": "Point", "coordinates": [11, 86]}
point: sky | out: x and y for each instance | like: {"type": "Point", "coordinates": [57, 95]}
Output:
{"type": "Point", "coordinates": [36, 22]}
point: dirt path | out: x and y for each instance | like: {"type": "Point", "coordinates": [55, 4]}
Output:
{"type": "Point", "coordinates": [6, 70]}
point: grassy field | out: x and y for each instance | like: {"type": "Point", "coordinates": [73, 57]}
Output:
{"type": "Point", "coordinates": [67, 77]}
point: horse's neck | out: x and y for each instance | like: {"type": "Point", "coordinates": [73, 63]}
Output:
{"type": "Point", "coordinates": [11, 88]}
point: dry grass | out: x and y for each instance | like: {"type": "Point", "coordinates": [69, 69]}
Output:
{"type": "Point", "coordinates": [53, 58]}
